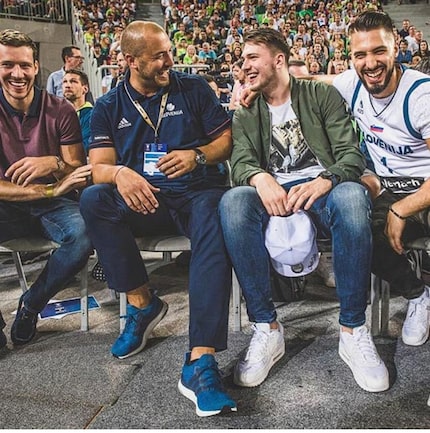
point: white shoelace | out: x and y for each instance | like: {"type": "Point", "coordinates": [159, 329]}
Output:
{"type": "Point", "coordinates": [419, 309]}
{"type": "Point", "coordinates": [365, 347]}
{"type": "Point", "coordinates": [258, 346]}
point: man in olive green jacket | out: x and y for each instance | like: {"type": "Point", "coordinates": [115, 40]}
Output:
{"type": "Point", "coordinates": [295, 154]}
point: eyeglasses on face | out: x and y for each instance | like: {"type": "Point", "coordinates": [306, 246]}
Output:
{"type": "Point", "coordinates": [78, 57]}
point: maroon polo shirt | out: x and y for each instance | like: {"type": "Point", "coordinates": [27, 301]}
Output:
{"type": "Point", "coordinates": [51, 122]}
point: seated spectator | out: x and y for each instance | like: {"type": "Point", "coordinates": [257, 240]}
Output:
{"type": "Point", "coordinates": [410, 39]}
{"type": "Point", "coordinates": [72, 59]}
{"type": "Point", "coordinates": [225, 83]}
{"type": "Point", "coordinates": [336, 42]}
{"type": "Point", "coordinates": [190, 57]}
{"type": "Point", "coordinates": [122, 69]}
{"type": "Point", "coordinates": [423, 65]}
{"type": "Point", "coordinates": [336, 60]}
{"type": "Point", "coordinates": [212, 84]}
{"type": "Point", "coordinates": [181, 193]}
{"type": "Point", "coordinates": [314, 68]}
{"type": "Point", "coordinates": [180, 50]}
{"type": "Point", "coordinates": [89, 34]}
{"type": "Point", "coordinates": [297, 68]}
{"type": "Point", "coordinates": [279, 144]}
{"type": "Point", "coordinates": [206, 54]}
{"type": "Point", "coordinates": [320, 57]}
{"type": "Point", "coordinates": [42, 165]}
{"type": "Point", "coordinates": [239, 84]}
{"type": "Point", "coordinates": [75, 88]}
{"type": "Point", "coordinates": [423, 50]}
{"type": "Point", "coordinates": [105, 45]}
{"type": "Point", "coordinates": [339, 68]}
{"type": "Point", "coordinates": [107, 79]}
{"type": "Point", "coordinates": [404, 56]}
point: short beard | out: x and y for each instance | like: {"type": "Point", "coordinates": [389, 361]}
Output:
{"type": "Point", "coordinates": [378, 89]}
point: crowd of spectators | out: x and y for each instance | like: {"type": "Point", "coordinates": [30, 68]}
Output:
{"type": "Point", "coordinates": [102, 23]}
{"type": "Point", "coordinates": [207, 35]}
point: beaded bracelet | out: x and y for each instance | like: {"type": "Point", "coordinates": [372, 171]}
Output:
{"type": "Point", "coordinates": [397, 215]}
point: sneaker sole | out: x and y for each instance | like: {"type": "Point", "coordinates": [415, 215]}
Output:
{"type": "Point", "coordinates": [147, 332]}
{"type": "Point", "coordinates": [411, 342]}
{"type": "Point", "coordinates": [260, 380]}
{"type": "Point", "coordinates": [358, 378]}
{"type": "Point", "coordinates": [188, 393]}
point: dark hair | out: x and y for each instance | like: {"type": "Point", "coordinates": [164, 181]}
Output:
{"type": "Point", "coordinates": [371, 20]}
{"type": "Point", "coordinates": [208, 78]}
{"type": "Point", "coordinates": [296, 62]}
{"type": "Point", "coordinates": [272, 38]}
{"type": "Point", "coordinates": [68, 51]}
{"type": "Point", "coordinates": [82, 76]}
{"type": "Point", "coordinates": [423, 65]}
{"type": "Point", "coordinates": [238, 63]}
{"type": "Point", "coordinates": [15, 38]}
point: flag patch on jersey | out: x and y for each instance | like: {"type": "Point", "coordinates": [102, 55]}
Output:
{"type": "Point", "coordinates": [376, 128]}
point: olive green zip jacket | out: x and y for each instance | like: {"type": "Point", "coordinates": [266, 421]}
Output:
{"type": "Point", "coordinates": [325, 123]}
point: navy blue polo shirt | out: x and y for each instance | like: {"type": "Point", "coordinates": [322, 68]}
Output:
{"type": "Point", "coordinates": [193, 117]}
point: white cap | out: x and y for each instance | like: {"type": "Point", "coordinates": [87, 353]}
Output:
{"type": "Point", "coordinates": [291, 243]}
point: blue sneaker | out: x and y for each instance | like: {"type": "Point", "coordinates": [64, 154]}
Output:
{"type": "Point", "coordinates": [3, 339]}
{"type": "Point", "coordinates": [201, 383]}
{"type": "Point", "coordinates": [24, 326]}
{"type": "Point", "coordinates": [138, 327]}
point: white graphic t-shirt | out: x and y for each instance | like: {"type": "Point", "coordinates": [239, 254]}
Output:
{"type": "Point", "coordinates": [290, 156]}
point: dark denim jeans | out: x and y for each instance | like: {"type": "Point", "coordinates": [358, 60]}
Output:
{"type": "Point", "coordinates": [342, 215]}
{"type": "Point", "coordinates": [387, 264]}
{"type": "Point", "coordinates": [112, 226]}
{"type": "Point", "coordinates": [57, 219]}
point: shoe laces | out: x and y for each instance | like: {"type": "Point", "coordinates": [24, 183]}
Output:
{"type": "Point", "coordinates": [209, 377]}
{"type": "Point", "coordinates": [418, 309]}
{"type": "Point", "coordinates": [258, 346]}
{"type": "Point", "coordinates": [365, 346]}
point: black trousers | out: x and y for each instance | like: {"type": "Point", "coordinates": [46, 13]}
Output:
{"type": "Point", "coordinates": [386, 263]}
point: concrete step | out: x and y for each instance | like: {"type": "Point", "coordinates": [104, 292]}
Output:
{"type": "Point", "coordinates": [418, 14]}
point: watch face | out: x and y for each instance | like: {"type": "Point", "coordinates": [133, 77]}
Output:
{"type": "Point", "coordinates": [200, 157]}
{"type": "Point", "coordinates": [326, 174]}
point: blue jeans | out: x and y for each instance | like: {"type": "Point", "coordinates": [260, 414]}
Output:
{"type": "Point", "coordinates": [344, 215]}
{"type": "Point", "coordinates": [113, 226]}
{"type": "Point", "coordinates": [57, 219]}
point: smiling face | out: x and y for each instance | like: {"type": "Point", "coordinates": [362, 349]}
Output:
{"type": "Point", "coordinates": [373, 56]}
{"type": "Point", "coordinates": [150, 70]}
{"type": "Point", "coordinates": [259, 66]}
{"type": "Point", "coordinates": [18, 71]}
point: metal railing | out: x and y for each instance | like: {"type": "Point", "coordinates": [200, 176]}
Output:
{"type": "Point", "coordinates": [58, 11]}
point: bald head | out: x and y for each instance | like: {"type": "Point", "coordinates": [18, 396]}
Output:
{"type": "Point", "coordinates": [133, 39]}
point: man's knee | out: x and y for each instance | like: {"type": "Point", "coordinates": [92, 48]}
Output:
{"type": "Point", "coordinates": [351, 196]}
{"type": "Point", "coordinates": [237, 201]}
{"type": "Point", "coordinates": [91, 198]}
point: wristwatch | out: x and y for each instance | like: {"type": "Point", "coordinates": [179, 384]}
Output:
{"type": "Point", "coordinates": [200, 157]}
{"type": "Point", "coordinates": [327, 174]}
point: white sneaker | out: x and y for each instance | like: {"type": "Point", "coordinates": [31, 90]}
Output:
{"type": "Point", "coordinates": [325, 269]}
{"type": "Point", "coordinates": [359, 353]}
{"type": "Point", "coordinates": [267, 346]}
{"type": "Point", "coordinates": [415, 329]}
